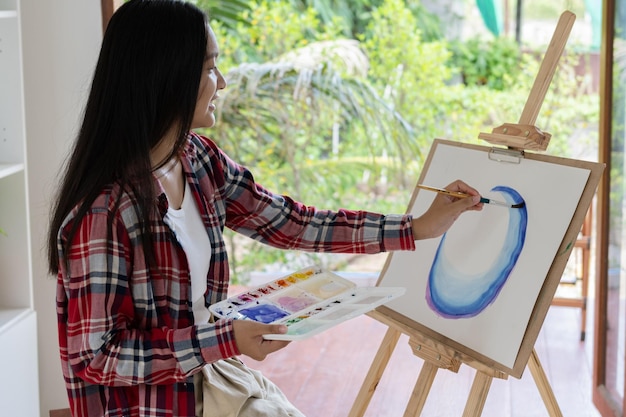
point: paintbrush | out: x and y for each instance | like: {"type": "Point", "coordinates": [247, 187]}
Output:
{"type": "Point", "coordinates": [459, 194]}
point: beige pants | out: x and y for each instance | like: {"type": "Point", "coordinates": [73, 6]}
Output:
{"type": "Point", "coordinates": [231, 389]}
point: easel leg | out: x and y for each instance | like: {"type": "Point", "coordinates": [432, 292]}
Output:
{"type": "Point", "coordinates": [547, 395]}
{"type": "Point", "coordinates": [375, 373]}
{"type": "Point", "coordinates": [421, 390]}
{"type": "Point", "coordinates": [478, 395]}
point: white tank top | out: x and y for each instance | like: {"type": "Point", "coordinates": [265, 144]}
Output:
{"type": "Point", "coordinates": [187, 225]}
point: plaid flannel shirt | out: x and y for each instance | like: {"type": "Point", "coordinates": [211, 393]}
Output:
{"type": "Point", "coordinates": [128, 342]}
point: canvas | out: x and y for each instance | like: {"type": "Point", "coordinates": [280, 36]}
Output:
{"type": "Point", "coordinates": [478, 284]}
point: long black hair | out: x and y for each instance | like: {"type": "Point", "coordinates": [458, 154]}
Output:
{"type": "Point", "coordinates": [145, 84]}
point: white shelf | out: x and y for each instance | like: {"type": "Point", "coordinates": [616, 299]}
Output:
{"type": "Point", "coordinates": [10, 316]}
{"type": "Point", "coordinates": [10, 169]}
{"type": "Point", "coordinates": [19, 394]}
{"type": "Point", "coordinates": [19, 389]}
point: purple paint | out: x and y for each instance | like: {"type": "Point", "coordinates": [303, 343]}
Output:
{"type": "Point", "coordinates": [245, 298]}
{"type": "Point", "coordinates": [294, 304]}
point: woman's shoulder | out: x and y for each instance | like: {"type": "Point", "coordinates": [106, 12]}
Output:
{"type": "Point", "coordinates": [114, 197]}
{"type": "Point", "coordinates": [205, 155]}
{"type": "Point", "coordinates": [111, 199]}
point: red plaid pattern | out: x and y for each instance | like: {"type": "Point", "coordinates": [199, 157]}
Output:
{"type": "Point", "coordinates": [128, 342]}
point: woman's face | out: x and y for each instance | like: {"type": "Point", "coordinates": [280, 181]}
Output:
{"type": "Point", "coordinates": [211, 81]}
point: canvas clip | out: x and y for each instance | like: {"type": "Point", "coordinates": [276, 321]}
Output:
{"type": "Point", "coordinates": [510, 156]}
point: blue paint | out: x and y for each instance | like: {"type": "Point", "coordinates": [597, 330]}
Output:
{"type": "Point", "coordinates": [453, 294]}
{"type": "Point", "coordinates": [264, 313]}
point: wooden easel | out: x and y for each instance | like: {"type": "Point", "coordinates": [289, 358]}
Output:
{"type": "Point", "coordinates": [438, 355]}
{"type": "Point", "coordinates": [583, 244]}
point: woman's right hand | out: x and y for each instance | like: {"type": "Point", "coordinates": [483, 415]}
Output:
{"type": "Point", "coordinates": [250, 341]}
{"type": "Point", "coordinates": [444, 210]}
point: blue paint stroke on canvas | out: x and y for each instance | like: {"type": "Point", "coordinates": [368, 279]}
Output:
{"type": "Point", "coordinates": [451, 293]}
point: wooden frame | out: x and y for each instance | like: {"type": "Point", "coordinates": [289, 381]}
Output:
{"type": "Point", "coordinates": [601, 396]}
{"type": "Point", "coordinates": [108, 7]}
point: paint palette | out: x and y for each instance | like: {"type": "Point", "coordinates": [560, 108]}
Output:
{"type": "Point", "coordinates": [308, 301]}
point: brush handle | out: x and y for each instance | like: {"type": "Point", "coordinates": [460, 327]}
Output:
{"type": "Point", "coordinates": [459, 194]}
{"type": "Point", "coordinates": [443, 191]}
{"type": "Point", "coordinates": [497, 203]}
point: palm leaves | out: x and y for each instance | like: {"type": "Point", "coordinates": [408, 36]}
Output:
{"type": "Point", "coordinates": [228, 12]}
{"type": "Point", "coordinates": [309, 108]}
{"type": "Point", "coordinates": [310, 125]}
{"type": "Point", "coordinates": [322, 74]}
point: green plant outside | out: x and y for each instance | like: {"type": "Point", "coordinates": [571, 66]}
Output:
{"type": "Point", "coordinates": [335, 134]}
{"type": "Point", "coordinates": [494, 63]}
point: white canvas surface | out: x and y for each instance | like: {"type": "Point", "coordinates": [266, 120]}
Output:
{"type": "Point", "coordinates": [552, 193]}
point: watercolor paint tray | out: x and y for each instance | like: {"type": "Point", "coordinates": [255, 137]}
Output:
{"type": "Point", "coordinates": [307, 301]}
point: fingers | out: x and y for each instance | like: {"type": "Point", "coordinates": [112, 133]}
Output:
{"type": "Point", "coordinates": [275, 329]}
{"type": "Point", "coordinates": [445, 210]}
{"type": "Point", "coordinates": [462, 187]}
{"type": "Point", "coordinates": [470, 203]}
{"type": "Point", "coordinates": [249, 338]}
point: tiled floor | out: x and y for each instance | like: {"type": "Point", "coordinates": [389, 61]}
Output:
{"type": "Point", "coordinates": [322, 375]}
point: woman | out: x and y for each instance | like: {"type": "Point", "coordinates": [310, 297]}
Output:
{"type": "Point", "coordinates": [136, 232]}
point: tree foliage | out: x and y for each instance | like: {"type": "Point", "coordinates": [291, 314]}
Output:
{"type": "Point", "coordinates": [344, 118]}
{"type": "Point", "coordinates": [228, 12]}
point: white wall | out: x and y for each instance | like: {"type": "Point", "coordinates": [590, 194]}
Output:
{"type": "Point", "coordinates": [61, 41]}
